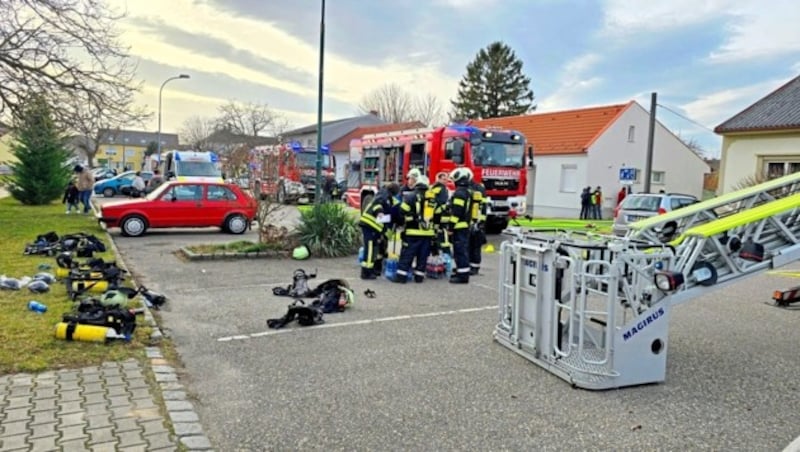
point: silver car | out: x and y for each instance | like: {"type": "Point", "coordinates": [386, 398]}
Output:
{"type": "Point", "coordinates": [639, 206]}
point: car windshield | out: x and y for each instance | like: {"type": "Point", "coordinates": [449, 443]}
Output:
{"type": "Point", "coordinates": [198, 169]}
{"type": "Point", "coordinates": [489, 153]}
{"type": "Point", "coordinates": [309, 160]}
{"type": "Point", "coordinates": [646, 203]}
{"type": "Point", "coordinates": [155, 194]}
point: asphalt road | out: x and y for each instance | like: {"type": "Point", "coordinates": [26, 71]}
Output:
{"type": "Point", "coordinates": [439, 382]}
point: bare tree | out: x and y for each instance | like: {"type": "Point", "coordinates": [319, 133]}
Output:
{"type": "Point", "coordinates": [196, 131]}
{"type": "Point", "coordinates": [249, 119]}
{"type": "Point", "coordinates": [94, 126]}
{"type": "Point", "coordinates": [428, 110]}
{"type": "Point", "coordinates": [695, 146]}
{"type": "Point", "coordinates": [69, 52]}
{"type": "Point", "coordinates": [391, 102]}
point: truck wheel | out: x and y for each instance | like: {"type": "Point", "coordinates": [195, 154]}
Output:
{"type": "Point", "coordinates": [496, 226]}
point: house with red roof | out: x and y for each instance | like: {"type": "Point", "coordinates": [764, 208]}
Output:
{"type": "Point", "coordinates": [584, 147]}
{"type": "Point", "coordinates": [763, 140]}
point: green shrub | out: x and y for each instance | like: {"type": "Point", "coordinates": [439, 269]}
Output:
{"type": "Point", "coordinates": [329, 230]}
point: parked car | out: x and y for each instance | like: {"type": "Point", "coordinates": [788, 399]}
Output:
{"type": "Point", "coordinates": [183, 204]}
{"type": "Point", "coordinates": [639, 206]}
{"type": "Point", "coordinates": [103, 173]}
{"type": "Point", "coordinates": [115, 185]}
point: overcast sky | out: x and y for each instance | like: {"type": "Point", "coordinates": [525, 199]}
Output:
{"type": "Point", "coordinates": [707, 60]}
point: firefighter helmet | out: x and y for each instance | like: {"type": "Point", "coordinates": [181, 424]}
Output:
{"type": "Point", "coordinates": [414, 172]}
{"type": "Point", "coordinates": [459, 174]}
{"type": "Point", "coordinates": [422, 182]}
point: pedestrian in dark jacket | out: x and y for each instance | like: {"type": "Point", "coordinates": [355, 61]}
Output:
{"type": "Point", "coordinates": [586, 203]}
{"type": "Point", "coordinates": [71, 197]}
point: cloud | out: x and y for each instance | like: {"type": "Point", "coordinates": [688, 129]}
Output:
{"type": "Point", "coordinates": [626, 17]}
{"type": "Point", "coordinates": [714, 108]}
{"type": "Point", "coordinates": [576, 80]}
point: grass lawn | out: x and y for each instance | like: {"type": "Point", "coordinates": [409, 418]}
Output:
{"type": "Point", "coordinates": [599, 226]}
{"type": "Point", "coordinates": [27, 342]}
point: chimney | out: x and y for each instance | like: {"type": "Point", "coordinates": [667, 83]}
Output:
{"type": "Point", "coordinates": [373, 112]}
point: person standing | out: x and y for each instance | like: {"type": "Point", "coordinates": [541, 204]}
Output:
{"type": "Point", "coordinates": [621, 195]}
{"type": "Point", "coordinates": [477, 233]}
{"type": "Point", "coordinates": [460, 211]}
{"type": "Point", "coordinates": [138, 185]}
{"type": "Point", "coordinates": [586, 203]}
{"type": "Point", "coordinates": [85, 185]}
{"type": "Point", "coordinates": [440, 195]}
{"type": "Point", "coordinates": [155, 181]}
{"type": "Point", "coordinates": [373, 229]}
{"type": "Point", "coordinates": [417, 234]}
{"type": "Point", "coordinates": [597, 203]}
{"type": "Point", "coordinates": [71, 197]}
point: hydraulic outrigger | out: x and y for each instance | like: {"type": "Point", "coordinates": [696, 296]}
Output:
{"type": "Point", "coordinates": [594, 309]}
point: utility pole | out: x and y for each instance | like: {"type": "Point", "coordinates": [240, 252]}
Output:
{"type": "Point", "coordinates": [648, 163]}
{"type": "Point", "coordinates": [318, 184]}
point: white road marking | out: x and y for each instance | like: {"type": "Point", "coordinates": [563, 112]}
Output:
{"type": "Point", "coordinates": [239, 337]}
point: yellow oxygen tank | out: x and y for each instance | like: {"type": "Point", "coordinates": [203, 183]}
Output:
{"type": "Point", "coordinates": [62, 273]}
{"type": "Point", "coordinates": [83, 333]}
{"type": "Point", "coordinates": [427, 210]}
{"type": "Point", "coordinates": [90, 286]}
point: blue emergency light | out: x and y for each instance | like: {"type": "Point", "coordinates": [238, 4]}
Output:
{"type": "Point", "coordinates": [296, 146]}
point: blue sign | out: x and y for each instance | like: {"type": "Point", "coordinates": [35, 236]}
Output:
{"type": "Point", "coordinates": [324, 150]}
{"type": "Point", "coordinates": [627, 174]}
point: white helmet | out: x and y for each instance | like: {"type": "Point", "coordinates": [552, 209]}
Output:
{"type": "Point", "coordinates": [414, 172]}
{"type": "Point", "coordinates": [422, 182]}
{"type": "Point", "coordinates": [460, 174]}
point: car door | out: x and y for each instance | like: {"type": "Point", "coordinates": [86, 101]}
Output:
{"type": "Point", "coordinates": [219, 201]}
{"type": "Point", "coordinates": [181, 206]}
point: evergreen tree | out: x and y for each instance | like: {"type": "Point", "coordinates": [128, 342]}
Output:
{"type": "Point", "coordinates": [41, 171]}
{"type": "Point", "coordinates": [493, 86]}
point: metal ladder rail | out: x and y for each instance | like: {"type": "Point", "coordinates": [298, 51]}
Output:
{"type": "Point", "coordinates": [567, 306]}
{"type": "Point", "coordinates": [732, 203]}
{"type": "Point", "coordinates": [610, 279]}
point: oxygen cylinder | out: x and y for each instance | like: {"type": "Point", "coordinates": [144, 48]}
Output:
{"type": "Point", "coordinates": [90, 286]}
{"type": "Point", "coordinates": [62, 273]}
{"type": "Point", "coordinates": [83, 333]}
{"type": "Point", "coordinates": [427, 210]}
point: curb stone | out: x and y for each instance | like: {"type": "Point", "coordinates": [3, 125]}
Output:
{"type": "Point", "coordinates": [180, 412]}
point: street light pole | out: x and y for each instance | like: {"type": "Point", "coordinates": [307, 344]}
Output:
{"type": "Point", "coordinates": [318, 184]}
{"type": "Point", "coordinates": [161, 90]}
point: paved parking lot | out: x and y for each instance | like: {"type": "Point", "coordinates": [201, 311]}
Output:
{"type": "Point", "coordinates": [416, 368]}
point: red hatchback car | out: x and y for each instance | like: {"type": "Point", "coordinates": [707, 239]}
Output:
{"type": "Point", "coordinates": [183, 204]}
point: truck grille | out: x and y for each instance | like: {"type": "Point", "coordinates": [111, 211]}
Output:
{"type": "Point", "coordinates": [501, 184]}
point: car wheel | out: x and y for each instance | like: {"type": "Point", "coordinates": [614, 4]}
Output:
{"type": "Point", "coordinates": [108, 192]}
{"type": "Point", "coordinates": [133, 226]}
{"type": "Point", "coordinates": [235, 224]}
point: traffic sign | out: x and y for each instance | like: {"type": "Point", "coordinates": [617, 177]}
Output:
{"type": "Point", "coordinates": [627, 175]}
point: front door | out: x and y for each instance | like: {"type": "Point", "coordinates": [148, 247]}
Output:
{"type": "Point", "coordinates": [180, 206]}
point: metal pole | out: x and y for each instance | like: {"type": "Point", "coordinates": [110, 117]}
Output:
{"type": "Point", "coordinates": [318, 184]}
{"type": "Point", "coordinates": [648, 164]}
{"type": "Point", "coordinates": [158, 134]}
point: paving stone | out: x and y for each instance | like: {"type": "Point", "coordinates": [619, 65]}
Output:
{"type": "Point", "coordinates": [159, 440]}
{"type": "Point", "coordinates": [42, 382]}
{"type": "Point", "coordinates": [97, 409]}
{"type": "Point", "coordinates": [44, 392]}
{"type": "Point", "coordinates": [153, 427]}
{"type": "Point", "coordinates": [174, 395]}
{"type": "Point", "coordinates": [148, 414]}
{"type": "Point", "coordinates": [69, 407]}
{"type": "Point", "coordinates": [153, 352]}
{"type": "Point", "coordinates": [163, 369]}
{"type": "Point", "coordinates": [93, 388]}
{"type": "Point", "coordinates": [91, 378]}
{"type": "Point", "coordinates": [70, 385]}
{"type": "Point", "coordinates": [67, 375]}
{"type": "Point", "coordinates": [128, 439]}
{"type": "Point", "coordinates": [159, 362]}
{"type": "Point", "coordinates": [116, 391]}
{"type": "Point", "coordinates": [111, 373]}
{"type": "Point", "coordinates": [101, 436]}
{"type": "Point", "coordinates": [140, 393]}
{"type": "Point", "coordinates": [48, 443]}
{"type": "Point", "coordinates": [43, 430]}
{"type": "Point", "coordinates": [105, 447]}
{"type": "Point", "coordinates": [144, 404]}
{"type": "Point", "coordinates": [164, 378]}
{"type": "Point", "coordinates": [183, 416]}
{"type": "Point", "coordinates": [98, 421]}
{"type": "Point", "coordinates": [134, 449]}
{"type": "Point", "coordinates": [108, 365]}
{"type": "Point", "coordinates": [131, 364]}
{"type": "Point", "coordinates": [19, 402]}
{"type": "Point", "coordinates": [114, 381]}
{"type": "Point", "coordinates": [178, 405]}
{"type": "Point", "coordinates": [136, 383]}
{"type": "Point", "coordinates": [43, 417]}
{"type": "Point", "coordinates": [44, 405]}
{"type": "Point", "coordinates": [121, 413]}
{"type": "Point", "coordinates": [126, 425]}
{"type": "Point", "coordinates": [68, 420]}
{"type": "Point", "coordinates": [20, 414]}
{"type": "Point", "coordinates": [77, 445]}
{"type": "Point", "coordinates": [90, 371]}
{"type": "Point", "coordinates": [74, 432]}
{"type": "Point", "coordinates": [70, 396]}
{"type": "Point", "coordinates": [196, 442]}
{"type": "Point", "coordinates": [20, 391]}
{"type": "Point", "coordinates": [14, 428]}
{"type": "Point", "coordinates": [118, 401]}
{"type": "Point", "coordinates": [13, 442]}
{"type": "Point", "coordinates": [91, 399]}
{"type": "Point", "coordinates": [165, 449]}
{"type": "Point", "coordinates": [171, 386]}
{"type": "Point", "coordinates": [187, 428]}
{"type": "Point", "coordinates": [21, 380]}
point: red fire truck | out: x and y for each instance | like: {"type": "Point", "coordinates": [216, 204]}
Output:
{"type": "Point", "coordinates": [288, 171]}
{"type": "Point", "coordinates": [496, 158]}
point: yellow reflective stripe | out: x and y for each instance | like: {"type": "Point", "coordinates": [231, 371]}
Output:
{"type": "Point", "coordinates": [458, 202]}
{"type": "Point", "coordinates": [370, 221]}
{"type": "Point", "coordinates": [420, 232]}
{"type": "Point", "coordinates": [742, 218]}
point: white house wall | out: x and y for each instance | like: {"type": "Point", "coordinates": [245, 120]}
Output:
{"type": "Point", "coordinates": [683, 169]}
{"type": "Point", "coordinates": [743, 155]}
{"type": "Point", "coordinates": [552, 197]}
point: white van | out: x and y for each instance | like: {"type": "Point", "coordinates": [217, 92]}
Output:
{"type": "Point", "coordinates": [192, 165]}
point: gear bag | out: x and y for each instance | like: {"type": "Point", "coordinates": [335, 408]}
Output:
{"type": "Point", "coordinates": [306, 315]}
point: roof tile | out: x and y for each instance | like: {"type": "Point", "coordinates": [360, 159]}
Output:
{"type": "Point", "coordinates": [778, 110]}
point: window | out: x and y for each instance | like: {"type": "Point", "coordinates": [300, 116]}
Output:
{"type": "Point", "coordinates": [779, 168]}
{"type": "Point", "coordinates": [569, 179]}
{"type": "Point", "coordinates": [184, 193]}
{"type": "Point", "coordinates": [631, 134]}
{"type": "Point", "coordinates": [448, 150]}
{"type": "Point", "coordinates": [657, 177]}
{"type": "Point", "coordinates": [219, 193]}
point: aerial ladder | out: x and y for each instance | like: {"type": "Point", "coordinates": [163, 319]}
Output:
{"type": "Point", "coordinates": [594, 310]}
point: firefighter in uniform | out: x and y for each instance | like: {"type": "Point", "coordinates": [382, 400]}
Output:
{"type": "Point", "coordinates": [418, 220]}
{"type": "Point", "coordinates": [411, 180]}
{"type": "Point", "coordinates": [477, 231]}
{"type": "Point", "coordinates": [460, 212]}
{"type": "Point", "coordinates": [439, 193]}
{"type": "Point", "coordinates": [374, 230]}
